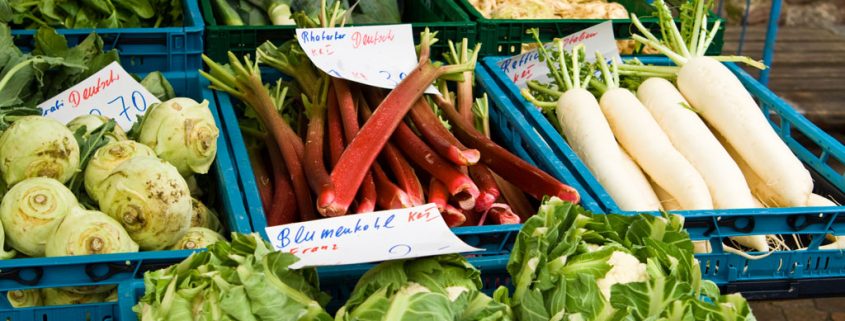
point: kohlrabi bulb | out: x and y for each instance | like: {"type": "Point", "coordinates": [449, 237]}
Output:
{"type": "Point", "coordinates": [36, 146]}
{"type": "Point", "coordinates": [204, 217]}
{"type": "Point", "coordinates": [150, 199]}
{"type": "Point", "coordinates": [86, 232]}
{"type": "Point", "coordinates": [24, 298]}
{"type": "Point", "coordinates": [182, 132]}
{"type": "Point", "coordinates": [32, 210]}
{"type": "Point", "coordinates": [197, 238]}
{"type": "Point", "coordinates": [106, 159]}
{"type": "Point", "coordinates": [61, 296]}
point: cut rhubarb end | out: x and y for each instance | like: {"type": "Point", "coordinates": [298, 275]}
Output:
{"type": "Point", "coordinates": [501, 214]}
{"type": "Point", "coordinates": [466, 199]}
{"type": "Point", "coordinates": [453, 216]}
{"type": "Point", "coordinates": [463, 157]}
{"type": "Point", "coordinates": [332, 210]}
{"type": "Point", "coordinates": [569, 194]}
{"type": "Point", "coordinates": [484, 201]}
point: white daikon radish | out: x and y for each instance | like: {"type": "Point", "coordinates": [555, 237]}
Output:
{"type": "Point", "coordinates": [761, 191]}
{"type": "Point", "coordinates": [691, 137]}
{"type": "Point", "coordinates": [816, 200]}
{"type": "Point", "coordinates": [668, 202]}
{"type": "Point", "coordinates": [640, 135]}
{"type": "Point", "coordinates": [586, 130]}
{"type": "Point", "coordinates": [721, 99]}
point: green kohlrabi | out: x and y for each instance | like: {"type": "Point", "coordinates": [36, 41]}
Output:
{"type": "Point", "coordinates": [197, 238]}
{"type": "Point", "coordinates": [36, 146]}
{"type": "Point", "coordinates": [24, 298]}
{"type": "Point", "coordinates": [106, 159]}
{"type": "Point", "coordinates": [32, 210]}
{"type": "Point", "coordinates": [434, 288]}
{"type": "Point", "coordinates": [242, 280]}
{"type": "Point", "coordinates": [204, 217]}
{"type": "Point", "coordinates": [182, 132]}
{"type": "Point", "coordinates": [569, 264]}
{"type": "Point", "coordinates": [151, 200]}
{"type": "Point", "coordinates": [61, 296]}
{"type": "Point", "coordinates": [85, 232]}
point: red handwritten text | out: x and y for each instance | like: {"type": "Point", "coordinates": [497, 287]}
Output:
{"type": "Point", "coordinates": [326, 50]}
{"type": "Point", "coordinates": [313, 249]}
{"type": "Point", "coordinates": [91, 91]}
{"type": "Point", "coordinates": [362, 39]}
{"type": "Point", "coordinates": [421, 216]}
{"type": "Point", "coordinates": [578, 38]}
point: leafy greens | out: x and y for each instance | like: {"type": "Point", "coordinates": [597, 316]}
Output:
{"type": "Point", "coordinates": [75, 14]}
{"type": "Point", "coordinates": [569, 264]}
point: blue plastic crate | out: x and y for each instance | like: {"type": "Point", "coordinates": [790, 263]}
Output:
{"type": "Point", "coordinates": [113, 268]}
{"type": "Point", "coordinates": [713, 225]}
{"type": "Point", "coordinates": [144, 49]}
{"type": "Point", "coordinates": [495, 239]}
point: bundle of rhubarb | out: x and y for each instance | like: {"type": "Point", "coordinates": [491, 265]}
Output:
{"type": "Point", "coordinates": [338, 147]}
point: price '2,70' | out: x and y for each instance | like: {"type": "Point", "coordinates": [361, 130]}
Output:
{"type": "Point", "coordinates": [139, 103]}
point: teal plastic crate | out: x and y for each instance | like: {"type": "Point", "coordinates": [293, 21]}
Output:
{"type": "Point", "coordinates": [506, 36]}
{"type": "Point", "coordinates": [113, 268]}
{"type": "Point", "coordinates": [443, 16]}
{"type": "Point", "coordinates": [144, 49]}
{"type": "Point", "coordinates": [808, 223]}
{"type": "Point", "coordinates": [495, 239]}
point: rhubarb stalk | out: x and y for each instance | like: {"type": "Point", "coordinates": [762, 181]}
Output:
{"type": "Point", "coordinates": [453, 216]}
{"type": "Point", "coordinates": [335, 132]}
{"type": "Point", "coordinates": [488, 189]}
{"type": "Point", "coordinates": [512, 168]}
{"type": "Point", "coordinates": [367, 196]}
{"type": "Point", "coordinates": [283, 209]}
{"type": "Point", "coordinates": [263, 181]}
{"type": "Point", "coordinates": [438, 194]}
{"type": "Point", "coordinates": [362, 151]}
{"type": "Point", "coordinates": [389, 196]}
{"type": "Point", "coordinates": [243, 80]}
{"type": "Point", "coordinates": [460, 186]}
{"type": "Point", "coordinates": [406, 177]}
{"type": "Point", "coordinates": [501, 214]}
{"type": "Point", "coordinates": [318, 177]}
{"type": "Point", "coordinates": [464, 89]}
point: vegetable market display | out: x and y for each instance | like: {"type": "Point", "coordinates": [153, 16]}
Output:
{"type": "Point", "coordinates": [568, 264]}
{"type": "Point", "coordinates": [679, 146]}
{"type": "Point", "coordinates": [329, 148]}
{"type": "Point", "coordinates": [90, 187]}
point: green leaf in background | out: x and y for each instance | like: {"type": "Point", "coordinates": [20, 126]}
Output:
{"type": "Point", "coordinates": [158, 86]}
{"type": "Point", "coordinates": [25, 14]}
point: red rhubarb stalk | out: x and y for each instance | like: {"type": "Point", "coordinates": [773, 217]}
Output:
{"type": "Point", "coordinates": [437, 136]}
{"type": "Point", "coordinates": [510, 167]}
{"type": "Point", "coordinates": [487, 187]}
{"type": "Point", "coordinates": [453, 216]}
{"type": "Point", "coordinates": [459, 185]}
{"type": "Point", "coordinates": [243, 80]}
{"type": "Point", "coordinates": [464, 88]}
{"type": "Point", "coordinates": [406, 177]}
{"type": "Point", "coordinates": [367, 196]}
{"type": "Point", "coordinates": [335, 133]}
{"type": "Point", "coordinates": [284, 209]}
{"type": "Point", "coordinates": [364, 148]}
{"type": "Point", "coordinates": [390, 196]}
{"type": "Point", "coordinates": [501, 214]}
{"type": "Point", "coordinates": [262, 178]}
{"type": "Point", "coordinates": [515, 197]}
{"type": "Point", "coordinates": [438, 194]}
{"type": "Point", "coordinates": [318, 177]}
{"type": "Point", "coordinates": [440, 139]}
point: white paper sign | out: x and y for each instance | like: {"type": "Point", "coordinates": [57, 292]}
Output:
{"type": "Point", "coordinates": [378, 56]}
{"type": "Point", "coordinates": [527, 66]}
{"type": "Point", "coordinates": [110, 92]}
{"type": "Point", "coordinates": [369, 237]}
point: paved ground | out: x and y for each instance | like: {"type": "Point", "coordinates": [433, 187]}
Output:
{"type": "Point", "coordinates": [809, 74]}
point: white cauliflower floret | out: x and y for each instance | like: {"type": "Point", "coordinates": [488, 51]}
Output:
{"type": "Point", "coordinates": [625, 268]}
{"type": "Point", "coordinates": [453, 292]}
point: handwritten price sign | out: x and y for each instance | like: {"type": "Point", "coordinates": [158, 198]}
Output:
{"type": "Point", "coordinates": [379, 56]}
{"type": "Point", "coordinates": [527, 66]}
{"type": "Point", "coordinates": [110, 92]}
{"type": "Point", "coordinates": [370, 237]}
